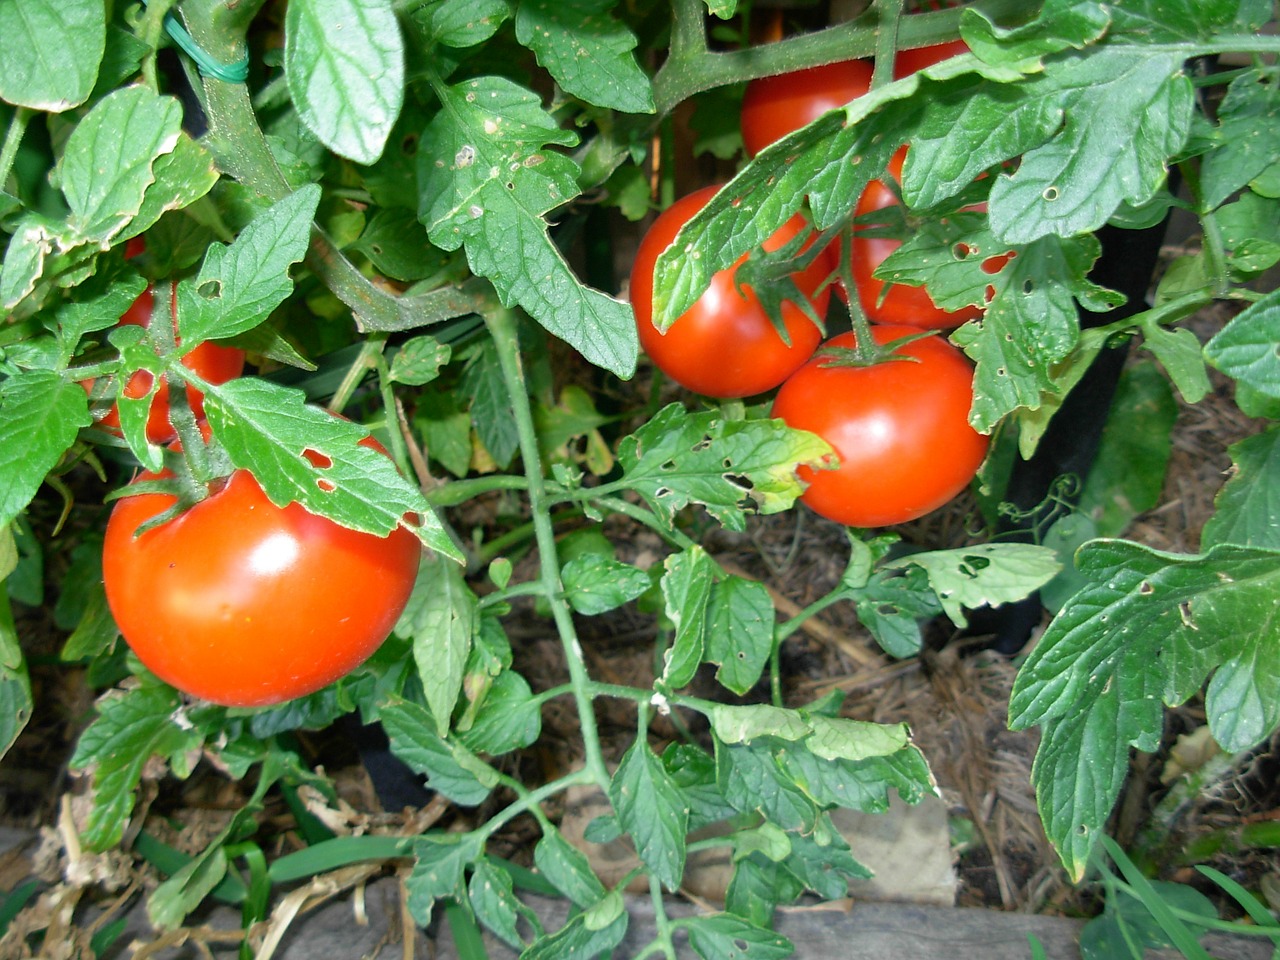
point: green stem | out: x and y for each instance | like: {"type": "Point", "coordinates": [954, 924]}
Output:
{"type": "Point", "coordinates": [460, 491]}
{"type": "Point", "coordinates": [13, 140]}
{"type": "Point", "coordinates": [663, 923]}
{"type": "Point", "coordinates": [787, 628]}
{"type": "Point", "coordinates": [529, 801]}
{"type": "Point", "coordinates": [890, 12]}
{"type": "Point", "coordinates": [502, 327]}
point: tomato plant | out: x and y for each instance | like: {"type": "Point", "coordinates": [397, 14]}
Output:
{"type": "Point", "coordinates": [726, 345]}
{"type": "Point", "coordinates": [899, 429]}
{"type": "Point", "coordinates": [244, 603]}
{"type": "Point", "coordinates": [212, 362]}
{"type": "Point", "coordinates": [777, 105]}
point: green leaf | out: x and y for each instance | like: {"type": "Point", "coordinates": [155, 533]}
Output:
{"type": "Point", "coordinates": [986, 574]}
{"type": "Point", "coordinates": [1124, 113]}
{"type": "Point", "coordinates": [595, 584]}
{"type": "Point", "coordinates": [742, 724]}
{"type": "Point", "coordinates": [419, 360]}
{"type": "Point", "coordinates": [892, 606]}
{"type": "Point", "coordinates": [752, 781]}
{"type": "Point", "coordinates": [99, 309]}
{"type": "Point", "coordinates": [822, 862]}
{"type": "Point", "coordinates": [1158, 21]}
{"type": "Point", "coordinates": [239, 285]}
{"type": "Point", "coordinates": [344, 61]}
{"type": "Point", "coordinates": [509, 719]}
{"type": "Point", "coordinates": [441, 859]}
{"type": "Point", "coordinates": [1060, 24]}
{"type": "Point", "coordinates": [740, 621]}
{"type": "Point", "coordinates": [483, 383]}
{"type": "Point", "coordinates": [587, 51]}
{"type": "Point", "coordinates": [1249, 502]}
{"type": "Point", "coordinates": [463, 23]}
{"type": "Point", "coordinates": [693, 771]}
{"type": "Point", "coordinates": [107, 166]}
{"type": "Point", "coordinates": [568, 869]}
{"type": "Point", "coordinates": [686, 591]}
{"type": "Point", "coordinates": [838, 738]}
{"type": "Point", "coordinates": [652, 810]}
{"type": "Point", "coordinates": [181, 893]}
{"type": "Point", "coordinates": [15, 683]}
{"type": "Point", "coordinates": [679, 458]}
{"type": "Point", "coordinates": [449, 768]}
{"type": "Point", "coordinates": [267, 428]}
{"type": "Point", "coordinates": [494, 901]}
{"type": "Point", "coordinates": [486, 182]}
{"type": "Point", "coordinates": [40, 414]}
{"type": "Point", "coordinates": [578, 938]}
{"type": "Point", "coordinates": [1149, 628]}
{"type": "Point", "coordinates": [1245, 349]}
{"type": "Point", "coordinates": [130, 729]}
{"type": "Point", "coordinates": [756, 889]}
{"type": "Point", "coordinates": [51, 52]}
{"type": "Point", "coordinates": [182, 177]}
{"type": "Point", "coordinates": [441, 619]}
{"type": "Point", "coordinates": [1029, 326]}
{"type": "Point", "coordinates": [1249, 141]}
{"type": "Point", "coordinates": [723, 936]}
{"type": "Point", "coordinates": [859, 784]}
{"type": "Point", "coordinates": [1129, 468]}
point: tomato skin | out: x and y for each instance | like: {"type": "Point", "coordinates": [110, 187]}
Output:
{"type": "Point", "coordinates": [243, 603]}
{"type": "Point", "coordinates": [211, 361]}
{"type": "Point", "coordinates": [724, 345]}
{"type": "Point", "coordinates": [903, 304]}
{"type": "Point", "coordinates": [773, 107]}
{"type": "Point", "coordinates": [900, 429]}
{"type": "Point", "coordinates": [908, 62]}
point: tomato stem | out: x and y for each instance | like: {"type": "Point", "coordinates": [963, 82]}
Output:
{"type": "Point", "coordinates": [502, 326]}
{"type": "Point", "coordinates": [889, 12]}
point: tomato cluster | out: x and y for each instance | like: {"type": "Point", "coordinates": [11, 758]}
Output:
{"type": "Point", "coordinates": [899, 427]}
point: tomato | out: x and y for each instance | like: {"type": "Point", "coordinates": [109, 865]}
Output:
{"type": "Point", "coordinates": [211, 361]}
{"type": "Point", "coordinates": [247, 604]}
{"type": "Point", "coordinates": [908, 62]}
{"type": "Point", "coordinates": [900, 430]}
{"type": "Point", "coordinates": [725, 345]}
{"type": "Point", "coordinates": [903, 304]}
{"type": "Point", "coordinates": [774, 106]}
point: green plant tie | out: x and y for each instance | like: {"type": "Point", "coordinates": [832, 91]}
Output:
{"type": "Point", "coordinates": [237, 72]}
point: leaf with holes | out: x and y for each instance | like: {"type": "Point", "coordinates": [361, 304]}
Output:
{"type": "Point", "coordinates": [985, 574]}
{"type": "Point", "coordinates": [587, 50]}
{"type": "Point", "coordinates": [718, 936]}
{"type": "Point", "coordinates": [268, 429]}
{"type": "Point", "coordinates": [1148, 628]}
{"type": "Point", "coordinates": [487, 180]}
{"type": "Point", "coordinates": [728, 466]}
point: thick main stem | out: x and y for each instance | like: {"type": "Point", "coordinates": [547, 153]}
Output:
{"type": "Point", "coordinates": [502, 327]}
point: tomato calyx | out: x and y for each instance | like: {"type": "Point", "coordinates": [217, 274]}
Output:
{"type": "Point", "coordinates": [867, 352]}
{"type": "Point", "coordinates": [770, 275]}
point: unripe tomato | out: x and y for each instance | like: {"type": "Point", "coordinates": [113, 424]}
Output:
{"type": "Point", "coordinates": [900, 429]}
{"type": "Point", "coordinates": [211, 361]}
{"type": "Point", "coordinates": [725, 345]}
{"type": "Point", "coordinates": [773, 107]}
{"type": "Point", "coordinates": [903, 303]}
{"type": "Point", "coordinates": [243, 603]}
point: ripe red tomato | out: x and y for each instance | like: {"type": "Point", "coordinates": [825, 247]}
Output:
{"type": "Point", "coordinates": [211, 361]}
{"type": "Point", "coordinates": [908, 62]}
{"type": "Point", "coordinates": [774, 106]}
{"type": "Point", "coordinates": [246, 604]}
{"type": "Point", "coordinates": [900, 429]}
{"type": "Point", "coordinates": [903, 304]}
{"type": "Point", "coordinates": [724, 345]}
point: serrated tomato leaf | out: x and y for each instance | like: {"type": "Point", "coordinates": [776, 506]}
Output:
{"type": "Point", "coordinates": [1149, 627]}
{"type": "Point", "coordinates": [686, 591]}
{"type": "Point", "coordinates": [69, 38]}
{"type": "Point", "coordinates": [1249, 141]}
{"type": "Point", "coordinates": [240, 284]}
{"type": "Point", "coordinates": [131, 728]}
{"type": "Point", "coordinates": [40, 414]}
{"type": "Point", "coordinates": [717, 936]}
{"type": "Point", "coordinates": [438, 870]}
{"type": "Point", "coordinates": [985, 574]}
{"type": "Point", "coordinates": [1245, 349]}
{"type": "Point", "coordinates": [1249, 502]}
{"type": "Point", "coordinates": [344, 63]}
{"type": "Point", "coordinates": [679, 458]}
{"type": "Point", "coordinates": [441, 619]}
{"type": "Point", "coordinates": [587, 51]}
{"type": "Point", "coordinates": [651, 809]}
{"type": "Point", "coordinates": [411, 729]}
{"type": "Point", "coordinates": [487, 180]}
